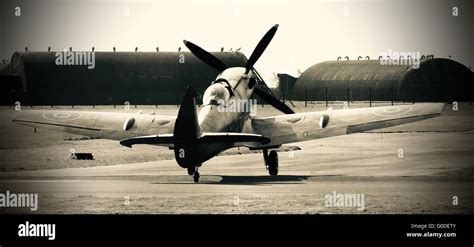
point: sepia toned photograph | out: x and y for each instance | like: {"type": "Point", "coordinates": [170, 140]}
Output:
{"type": "Point", "coordinates": [237, 107]}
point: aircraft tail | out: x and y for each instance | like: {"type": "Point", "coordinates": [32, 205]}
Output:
{"type": "Point", "coordinates": [186, 128]}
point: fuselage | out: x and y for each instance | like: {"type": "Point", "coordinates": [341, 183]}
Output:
{"type": "Point", "coordinates": [226, 108]}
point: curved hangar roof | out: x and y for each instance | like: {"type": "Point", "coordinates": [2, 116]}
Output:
{"type": "Point", "coordinates": [137, 77]}
{"type": "Point", "coordinates": [436, 79]}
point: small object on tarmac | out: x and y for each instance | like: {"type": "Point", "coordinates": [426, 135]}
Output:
{"type": "Point", "coordinates": [82, 156]}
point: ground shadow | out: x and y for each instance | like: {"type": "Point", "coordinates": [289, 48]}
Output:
{"type": "Point", "coordinates": [253, 180]}
{"type": "Point", "coordinates": [242, 180]}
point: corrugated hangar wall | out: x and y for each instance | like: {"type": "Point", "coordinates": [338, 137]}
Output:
{"type": "Point", "coordinates": [137, 77]}
{"type": "Point", "coordinates": [436, 79]}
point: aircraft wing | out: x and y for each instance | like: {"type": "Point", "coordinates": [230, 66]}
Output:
{"type": "Point", "coordinates": [106, 125]}
{"type": "Point", "coordinates": [314, 125]}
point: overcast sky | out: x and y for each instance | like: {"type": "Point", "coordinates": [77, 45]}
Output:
{"type": "Point", "coordinates": [310, 31]}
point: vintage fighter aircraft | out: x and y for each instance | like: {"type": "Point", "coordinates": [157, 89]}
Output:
{"type": "Point", "coordinates": [196, 138]}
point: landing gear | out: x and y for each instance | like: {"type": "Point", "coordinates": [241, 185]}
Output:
{"type": "Point", "coordinates": [271, 161]}
{"type": "Point", "coordinates": [196, 177]}
{"type": "Point", "coordinates": [193, 170]}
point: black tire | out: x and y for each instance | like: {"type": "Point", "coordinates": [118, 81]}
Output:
{"type": "Point", "coordinates": [196, 177]}
{"type": "Point", "coordinates": [191, 170]}
{"type": "Point", "coordinates": [273, 163]}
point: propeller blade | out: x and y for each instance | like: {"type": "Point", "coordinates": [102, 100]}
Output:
{"type": "Point", "coordinates": [273, 101]}
{"type": "Point", "coordinates": [260, 48]}
{"type": "Point", "coordinates": [205, 56]}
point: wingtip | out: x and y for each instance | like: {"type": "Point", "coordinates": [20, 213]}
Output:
{"type": "Point", "coordinates": [16, 117]}
{"type": "Point", "coordinates": [441, 106]}
{"type": "Point", "coordinates": [434, 108]}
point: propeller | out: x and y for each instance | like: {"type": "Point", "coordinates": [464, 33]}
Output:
{"type": "Point", "coordinates": [217, 64]}
{"type": "Point", "coordinates": [273, 101]}
{"type": "Point", "coordinates": [205, 56]}
{"type": "Point", "coordinates": [260, 48]}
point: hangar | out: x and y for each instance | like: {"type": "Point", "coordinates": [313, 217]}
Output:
{"type": "Point", "coordinates": [34, 78]}
{"type": "Point", "coordinates": [436, 80]}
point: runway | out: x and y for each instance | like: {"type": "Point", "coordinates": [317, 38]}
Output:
{"type": "Point", "coordinates": [421, 168]}
{"type": "Point", "coordinates": [424, 181]}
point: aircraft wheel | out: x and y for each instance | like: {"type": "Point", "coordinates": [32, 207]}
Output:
{"type": "Point", "coordinates": [272, 163]}
{"type": "Point", "coordinates": [191, 170]}
{"type": "Point", "coordinates": [196, 177]}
